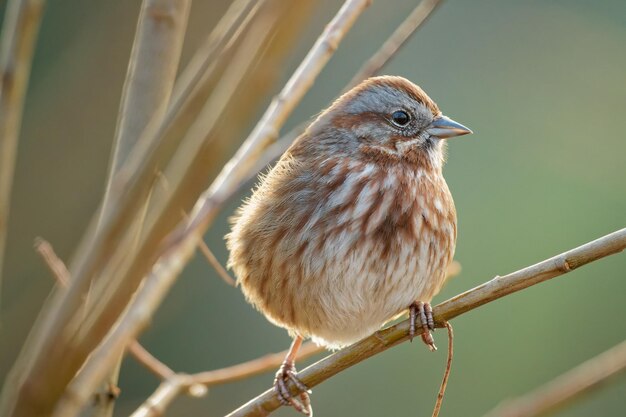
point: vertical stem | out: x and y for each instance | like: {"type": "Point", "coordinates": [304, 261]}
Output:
{"type": "Point", "coordinates": [149, 82]}
{"type": "Point", "coordinates": [19, 32]}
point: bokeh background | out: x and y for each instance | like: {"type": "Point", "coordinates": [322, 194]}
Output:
{"type": "Point", "coordinates": [541, 83]}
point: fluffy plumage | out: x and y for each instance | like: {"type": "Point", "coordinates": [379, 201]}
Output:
{"type": "Point", "coordinates": [354, 223]}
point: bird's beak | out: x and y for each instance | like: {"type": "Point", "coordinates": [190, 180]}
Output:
{"type": "Point", "coordinates": [443, 128]}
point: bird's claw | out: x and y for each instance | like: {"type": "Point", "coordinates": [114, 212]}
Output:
{"type": "Point", "coordinates": [424, 313]}
{"type": "Point", "coordinates": [286, 373]}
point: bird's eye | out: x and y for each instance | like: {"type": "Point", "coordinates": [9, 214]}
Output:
{"type": "Point", "coordinates": [400, 118]}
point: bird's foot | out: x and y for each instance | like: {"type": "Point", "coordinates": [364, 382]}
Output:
{"type": "Point", "coordinates": [287, 372]}
{"type": "Point", "coordinates": [424, 313]}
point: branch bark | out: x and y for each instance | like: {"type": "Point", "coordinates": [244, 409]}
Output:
{"type": "Point", "coordinates": [177, 384]}
{"type": "Point", "coordinates": [570, 386]}
{"type": "Point", "coordinates": [17, 45]}
{"type": "Point", "coordinates": [163, 274]}
{"type": "Point", "coordinates": [147, 89]}
{"type": "Point", "coordinates": [490, 291]}
{"type": "Point", "coordinates": [264, 44]}
{"type": "Point", "coordinates": [52, 352]}
{"type": "Point", "coordinates": [381, 57]}
{"type": "Point", "coordinates": [398, 38]}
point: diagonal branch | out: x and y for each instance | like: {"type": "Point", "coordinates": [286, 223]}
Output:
{"type": "Point", "coordinates": [398, 38]}
{"type": "Point", "coordinates": [62, 276]}
{"type": "Point", "coordinates": [492, 290]}
{"type": "Point", "coordinates": [177, 384]}
{"type": "Point", "coordinates": [147, 89]}
{"type": "Point", "coordinates": [381, 57]}
{"type": "Point", "coordinates": [567, 387]}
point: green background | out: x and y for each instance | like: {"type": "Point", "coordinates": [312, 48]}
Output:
{"type": "Point", "coordinates": [543, 86]}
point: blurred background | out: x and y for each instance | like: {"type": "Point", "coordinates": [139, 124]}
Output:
{"type": "Point", "coordinates": [541, 83]}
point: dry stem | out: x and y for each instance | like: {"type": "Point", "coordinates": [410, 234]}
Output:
{"type": "Point", "coordinates": [226, 99]}
{"type": "Point", "coordinates": [403, 33]}
{"type": "Point", "coordinates": [446, 374]}
{"type": "Point", "coordinates": [496, 288]}
{"type": "Point", "coordinates": [164, 273]}
{"type": "Point", "coordinates": [569, 386]}
{"type": "Point", "coordinates": [177, 384]}
{"type": "Point", "coordinates": [149, 81]}
{"type": "Point", "coordinates": [281, 107]}
{"type": "Point", "coordinates": [51, 357]}
{"type": "Point", "coordinates": [62, 276]}
{"type": "Point", "coordinates": [17, 45]}
{"type": "Point", "coordinates": [381, 57]}
{"type": "Point", "coordinates": [168, 390]}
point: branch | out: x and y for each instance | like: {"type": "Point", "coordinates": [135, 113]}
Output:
{"type": "Point", "coordinates": [150, 78]}
{"type": "Point", "coordinates": [215, 263]}
{"type": "Point", "coordinates": [281, 107]}
{"type": "Point", "coordinates": [55, 351]}
{"type": "Point", "coordinates": [17, 45]}
{"type": "Point", "coordinates": [392, 45]}
{"type": "Point", "coordinates": [235, 96]}
{"type": "Point", "coordinates": [177, 384]}
{"type": "Point", "coordinates": [163, 274]}
{"type": "Point", "coordinates": [381, 57]}
{"type": "Point", "coordinates": [173, 386]}
{"type": "Point", "coordinates": [55, 265]}
{"type": "Point", "coordinates": [568, 387]}
{"type": "Point", "coordinates": [144, 357]}
{"type": "Point", "coordinates": [492, 290]}
{"type": "Point", "coordinates": [62, 276]}
{"type": "Point", "coordinates": [149, 81]}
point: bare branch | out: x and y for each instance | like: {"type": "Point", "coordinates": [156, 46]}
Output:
{"type": "Point", "coordinates": [385, 53]}
{"type": "Point", "coordinates": [571, 386]}
{"type": "Point", "coordinates": [177, 384]}
{"type": "Point", "coordinates": [281, 107]}
{"type": "Point", "coordinates": [496, 288]}
{"type": "Point", "coordinates": [168, 390]}
{"type": "Point", "coordinates": [17, 45]}
{"type": "Point", "coordinates": [152, 70]}
{"type": "Point", "coordinates": [264, 45]}
{"type": "Point", "coordinates": [164, 273]}
{"type": "Point", "coordinates": [446, 374]}
{"type": "Point", "coordinates": [56, 349]}
{"type": "Point", "coordinates": [215, 263]}
{"type": "Point", "coordinates": [150, 78]}
{"type": "Point", "coordinates": [158, 368]}
{"type": "Point", "coordinates": [392, 45]}
{"type": "Point", "coordinates": [54, 264]}
{"type": "Point", "coordinates": [62, 275]}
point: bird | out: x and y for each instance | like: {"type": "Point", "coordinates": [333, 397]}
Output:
{"type": "Point", "coordinates": [353, 226]}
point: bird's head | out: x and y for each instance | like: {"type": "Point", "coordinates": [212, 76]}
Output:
{"type": "Point", "coordinates": [388, 117]}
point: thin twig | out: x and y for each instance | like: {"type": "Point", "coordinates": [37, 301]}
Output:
{"type": "Point", "coordinates": [51, 357]}
{"type": "Point", "coordinates": [147, 359]}
{"type": "Point", "coordinates": [166, 393]}
{"type": "Point", "coordinates": [147, 89]}
{"type": "Point", "coordinates": [492, 290]}
{"type": "Point", "coordinates": [179, 252]}
{"type": "Point", "coordinates": [150, 78]}
{"type": "Point", "coordinates": [215, 263]}
{"type": "Point", "coordinates": [446, 374]}
{"type": "Point", "coordinates": [570, 386]}
{"type": "Point", "coordinates": [17, 45]}
{"type": "Point", "coordinates": [226, 99]}
{"type": "Point", "coordinates": [381, 57]}
{"type": "Point", "coordinates": [52, 261]}
{"type": "Point", "coordinates": [177, 384]}
{"type": "Point", "coordinates": [398, 38]}
{"type": "Point", "coordinates": [62, 276]}
{"type": "Point", "coordinates": [281, 107]}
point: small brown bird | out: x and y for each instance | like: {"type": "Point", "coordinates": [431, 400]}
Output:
{"type": "Point", "coordinates": [353, 226]}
